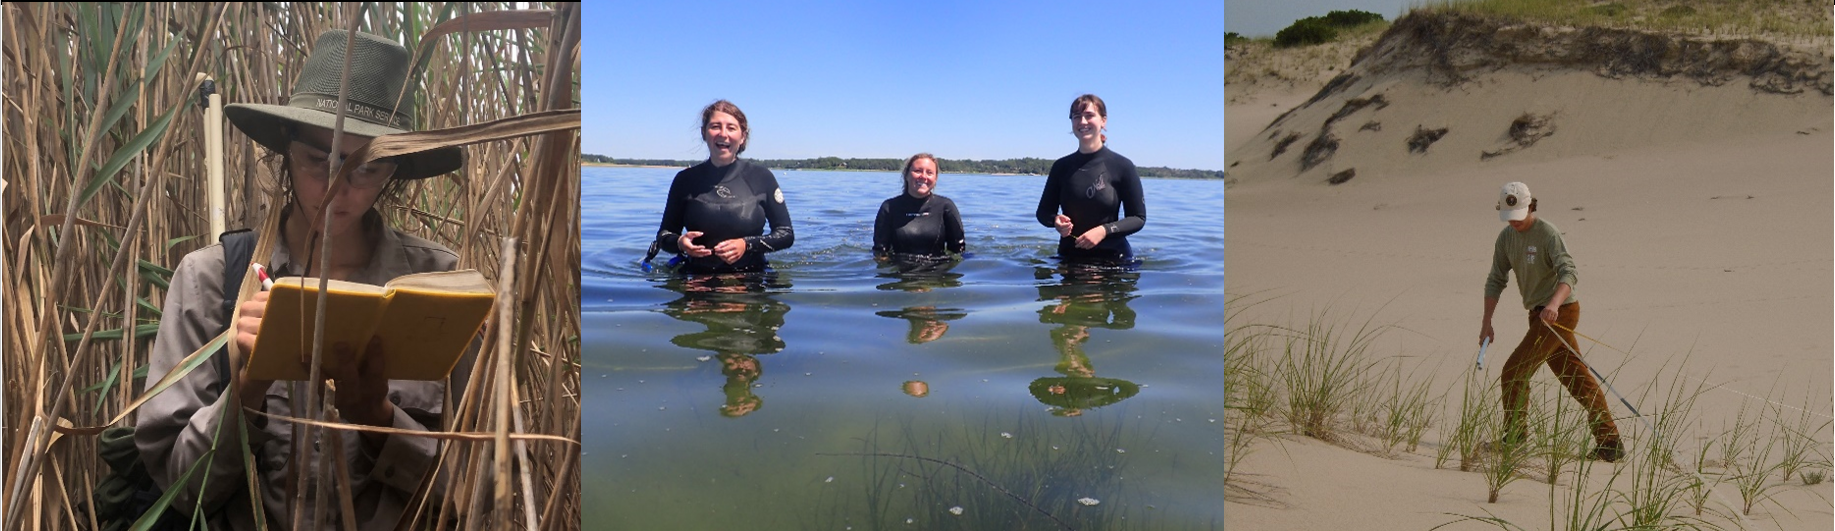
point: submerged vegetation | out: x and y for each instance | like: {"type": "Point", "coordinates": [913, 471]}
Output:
{"type": "Point", "coordinates": [1008, 471]}
{"type": "Point", "coordinates": [104, 188]}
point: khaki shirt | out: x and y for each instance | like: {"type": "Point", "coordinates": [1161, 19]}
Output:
{"type": "Point", "coordinates": [1539, 258]}
{"type": "Point", "coordinates": [176, 427]}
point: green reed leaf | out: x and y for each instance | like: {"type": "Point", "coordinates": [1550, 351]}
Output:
{"type": "Point", "coordinates": [122, 156]}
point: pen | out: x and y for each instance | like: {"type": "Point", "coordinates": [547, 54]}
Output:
{"type": "Point", "coordinates": [262, 273]}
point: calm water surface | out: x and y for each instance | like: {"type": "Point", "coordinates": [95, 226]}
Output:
{"type": "Point", "coordinates": [836, 393]}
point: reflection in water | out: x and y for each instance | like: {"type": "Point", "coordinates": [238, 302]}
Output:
{"type": "Point", "coordinates": [919, 274]}
{"type": "Point", "coordinates": [1087, 297]}
{"type": "Point", "coordinates": [928, 323]}
{"type": "Point", "coordinates": [742, 322]}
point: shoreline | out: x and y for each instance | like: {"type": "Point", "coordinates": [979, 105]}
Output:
{"type": "Point", "coordinates": [613, 165]}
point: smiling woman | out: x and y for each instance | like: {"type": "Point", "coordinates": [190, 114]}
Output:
{"type": "Point", "coordinates": [1088, 188]}
{"type": "Point", "coordinates": [716, 211]}
{"type": "Point", "coordinates": [918, 223]}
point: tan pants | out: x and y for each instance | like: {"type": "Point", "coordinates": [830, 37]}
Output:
{"type": "Point", "coordinates": [1542, 345]}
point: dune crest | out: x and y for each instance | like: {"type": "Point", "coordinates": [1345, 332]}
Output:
{"type": "Point", "coordinates": [1448, 91]}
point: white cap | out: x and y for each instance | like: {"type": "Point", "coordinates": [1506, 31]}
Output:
{"type": "Point", "coordinates": [1513, 202]}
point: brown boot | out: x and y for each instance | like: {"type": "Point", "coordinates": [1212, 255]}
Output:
{"type": "Point", "coordinates": [1609, 451]}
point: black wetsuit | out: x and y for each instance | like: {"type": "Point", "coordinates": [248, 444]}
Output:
{"type": "Point", "coordinates": [726, 203]}
{"type": "Point", "coordinates": [907, 225]}
{"type": "Point", "coordinates": [1091, 188]}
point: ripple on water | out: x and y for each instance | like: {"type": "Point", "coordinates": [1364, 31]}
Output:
{"type": "Point", "coordinates": [729, 389]}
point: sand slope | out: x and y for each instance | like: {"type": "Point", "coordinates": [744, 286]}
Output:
{"type": "Point", "coordinates": [1693, 190]}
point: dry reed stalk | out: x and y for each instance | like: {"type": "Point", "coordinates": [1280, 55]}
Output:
{"type": "Point", "coordinates": [32, 461]}
{"type": "Point", "coordinates": [66, 73]}
{"type": "Point", "coordinates": [506, 299]}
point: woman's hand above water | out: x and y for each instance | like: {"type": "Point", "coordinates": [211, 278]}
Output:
{"type": "Point", "coordinates": [1090, 238]}
{"type": "Point", "coordinates": [688, 246]}
{"type": "Point", "coordinates": [1062, 223]}
{"type": "Point", "coordinates": [731, 250]}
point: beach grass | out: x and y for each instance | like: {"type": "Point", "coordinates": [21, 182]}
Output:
{"type": "Point", "coordinates": [1797, 429]}
{"type": "Point", "coordinates": [104, 172]}
{"type": "Point", "coordinates": [1248, 386]}
{"type": "Point", "coordinates": [1321, 371]}
{"type": "Point", "coordinates": [1780, 18]}
{"type": "Point", "coordinates": [1665, 480]}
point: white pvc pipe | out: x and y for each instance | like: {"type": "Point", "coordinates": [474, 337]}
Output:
{"type": "Point", "coordinates": [213, 146]}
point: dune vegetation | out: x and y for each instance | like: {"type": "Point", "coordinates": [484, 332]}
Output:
{"type": "Point", "coordinates": [1324, 379]}
{"type": "Point", "coordinates": [1747, 18]}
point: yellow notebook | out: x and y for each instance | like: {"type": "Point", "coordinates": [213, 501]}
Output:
{"type": "Point", "coordinates": [426, 321]}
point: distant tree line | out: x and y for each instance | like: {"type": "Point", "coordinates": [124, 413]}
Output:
{"type": "Point", "coordinates": [1023, 166]}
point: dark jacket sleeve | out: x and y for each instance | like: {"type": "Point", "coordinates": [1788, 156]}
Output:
{"type": "Point", "coordinates": [782, 236]}
{"type": "Point", "coordinates": [1048, 201]}
{"type": "Point", "coordinates": [953, 237]}
{"type": "Point", "coordinates": [669, 235]}
{"type": "Point", "coordinates": [882, 229]}
{"type": "Point", "coordinates": [1133, 202]}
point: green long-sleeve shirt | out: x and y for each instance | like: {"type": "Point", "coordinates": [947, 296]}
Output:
{"type": "Point", "coordinates": [1540, 260]}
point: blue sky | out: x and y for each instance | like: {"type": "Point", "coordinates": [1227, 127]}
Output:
{"type": "Point", "coordinates": [1262, 18]}
{"type": "Point", "coordinates": [961, 79]}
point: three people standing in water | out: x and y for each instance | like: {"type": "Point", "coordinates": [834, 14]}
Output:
{"type": "Point", "coordinates": [716, 216]}
{"type": "Point", "coordinates": [716, 212]}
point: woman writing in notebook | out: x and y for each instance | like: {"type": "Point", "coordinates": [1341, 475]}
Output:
{"type": "Point", "coordinates": [206, 408]}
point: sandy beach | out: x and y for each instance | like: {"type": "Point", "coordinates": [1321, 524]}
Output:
{"type": "Point", "coordinates": [1694, 194]}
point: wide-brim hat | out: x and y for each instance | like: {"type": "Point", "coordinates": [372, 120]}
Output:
{"type": "Point", "coordinates": [379, 69]}
{"type": "Point", "coordinates": [1513, 202]}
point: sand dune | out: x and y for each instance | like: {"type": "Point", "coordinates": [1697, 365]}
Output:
{"type": "Point", "coordinates": [1692, 182]}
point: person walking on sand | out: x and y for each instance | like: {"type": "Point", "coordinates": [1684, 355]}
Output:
{"type": "Point", "coordinates": [1545, 275]}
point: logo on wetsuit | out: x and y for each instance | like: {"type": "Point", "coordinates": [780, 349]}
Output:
{"type": "Point", "coordinates": [1101, 184]}
{"type": "Point", "coordinates": [778, 195]}
{"type": "Point", "coordinates": [720, 190]}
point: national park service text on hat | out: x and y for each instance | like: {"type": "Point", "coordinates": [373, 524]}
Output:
{"type": "Point", "coordinates": [379, 69]}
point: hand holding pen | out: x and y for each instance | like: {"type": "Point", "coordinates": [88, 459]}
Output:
{"type": "Point", "coordinates": [253, 391]}
{"type": "Point", "coordinates": [267, 282]}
